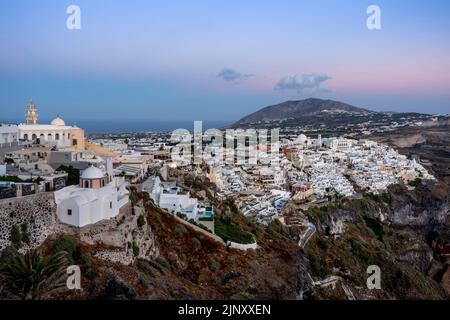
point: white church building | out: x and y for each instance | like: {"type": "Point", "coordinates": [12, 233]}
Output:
{"type": "Point", "coordinates": [56, 133]}
{"type": "Point", "coordinates": [98, 196]}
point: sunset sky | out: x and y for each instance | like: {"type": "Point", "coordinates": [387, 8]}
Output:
{"type": "Point", "coordinates": [215, 60]}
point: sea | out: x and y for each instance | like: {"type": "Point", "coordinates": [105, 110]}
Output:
{"type": "Point", "coordinates": [135, 126]}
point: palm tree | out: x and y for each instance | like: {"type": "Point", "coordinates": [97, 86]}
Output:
{"type": "Point", "coordinates": [31, 275]}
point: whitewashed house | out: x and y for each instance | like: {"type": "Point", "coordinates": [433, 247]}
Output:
{"type": "Point", "coordinates": [97, 197]}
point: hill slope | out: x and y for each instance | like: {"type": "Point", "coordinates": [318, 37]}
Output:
{"type": "Point", "coordinates": [300, 108]}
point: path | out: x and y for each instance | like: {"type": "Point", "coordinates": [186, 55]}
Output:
{"type": "Point", "coordinates": [307, 235]}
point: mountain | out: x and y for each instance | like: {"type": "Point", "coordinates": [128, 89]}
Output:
{"type": "Point", "coordinates": [298, 109]}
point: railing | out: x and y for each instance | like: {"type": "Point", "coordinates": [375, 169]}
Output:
{"type": "Point", "coordinates": [9, 144]}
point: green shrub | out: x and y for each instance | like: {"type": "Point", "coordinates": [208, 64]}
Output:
{"type": "Point", "coordinates": [232, 232]}
{"type": "Point", "coordinates": [26, 236]}
{"type": "Point", "coordinates": [160, 264]}
{"type": "Point", "coordinates": [213, 264]}
{"type": "Point", "coordinates": [135, 249]}
{"type": "Point", "coordinates": [144, 267]}
{"type": "Point", "coordinates": [180, 230]}
{"type": "Point", "coordinates": [7, 255]}
{"type": "Point", "coordinates": [374, 197]}
{"type": "Point", "coordinates": [73, 175]}
{"type": "Point", "coordinates": [181, 215]}
{"type": "Point", "coordinates": [19, 180]}
{"type": "Point", "coordinates": [8, 161]}
{"type": "Point", "coordinates": [415, 183]}
{"type": "Point", "coordinates": [322, 244]}
{"type": "Point", "coordinates": [275, 226]}
{"type": "Point", "coordinates": [67, 243]}
{"type": "Point", "coordinates": [376, 227]}
{"type": "Point", "coordinates": [16, 236]}
{"type": "Point", "coordinates": [141, 221]}
{"type": "Point", "coordinates": [357, 250]}
{"type": "Point", "coordinates": [196, 243]}
{"type": "Point", "coordinates": [229, 202]}
{"type": "Point", "coordinates": [318, 268]}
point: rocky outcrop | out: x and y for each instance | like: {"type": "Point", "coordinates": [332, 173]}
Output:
{"type": "Point", "coordinates": [124, 238]}
{"type": "Point", "coordinates": [422, 207]}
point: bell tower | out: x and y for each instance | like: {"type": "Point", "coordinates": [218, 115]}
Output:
{"type": "Point", "coordinates": [31, 115]}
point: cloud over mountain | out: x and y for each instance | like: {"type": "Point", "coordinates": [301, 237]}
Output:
{"type": "Point", "coordinates": [304, 84]}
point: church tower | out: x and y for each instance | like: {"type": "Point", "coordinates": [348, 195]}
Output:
{"type": "Point", "coordinates": [31, 115]}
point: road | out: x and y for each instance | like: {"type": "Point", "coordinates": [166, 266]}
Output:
{"type": "Point", "coordinates": [330, 281]}
{"type": "Point", "coordinates": [307, 235]}
{"type": "Point", "coordinates": [333, 280]}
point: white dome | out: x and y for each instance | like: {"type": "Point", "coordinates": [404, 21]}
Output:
{"type": "Point", "coordinates": [92, 173]}
{"type": "Point", "coordinates": [58, 122]}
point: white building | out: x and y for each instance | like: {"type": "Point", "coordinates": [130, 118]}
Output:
{"type": "Point", "coordinates": [341, 144]}
{"type": "Point", "coordinates": [9, 134]}
{"type": "Point", "coordinates": [98, 197]}
{"type": "Point", "coordinates": [167, 196]}
{"type": "Point", "coordinates": [56, 133]}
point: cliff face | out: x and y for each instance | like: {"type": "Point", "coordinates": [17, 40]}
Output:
{"type": "Point", "coordinates": [347, 237]}
{"type": "Point", "coordinates": [321, 253]}
{"type": "Point", "coordinates": [391, 231]}
{"type": "Point", "coordinates": [424, 207]}
{"type": "Point", "coordinates": [190, 265]}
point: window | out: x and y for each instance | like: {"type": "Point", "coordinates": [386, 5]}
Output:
{"type": "Point", "coordinates": [86, 184]}
{"type": "Point", "coordinates": [69, 212]}
{"type": "Point", "coordinates": [110, 204]}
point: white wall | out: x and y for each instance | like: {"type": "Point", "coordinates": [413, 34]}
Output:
{"type": "Point", "coordinates": [241, 246]}
{"type": "Point", "coordinates": [9, 133]}
{"type": "Point", "coordinates": [88, 205]}
{"type": "Point", "coordinates": [63, 208]}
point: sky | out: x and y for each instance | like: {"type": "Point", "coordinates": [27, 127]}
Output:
{"type": "Point", "coordinates": [220, 60]}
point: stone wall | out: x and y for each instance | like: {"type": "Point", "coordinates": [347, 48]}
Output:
{"type": "Point", "coordinates": [38, 211]}
{"type": "Point", "coordinates": [7, 193]}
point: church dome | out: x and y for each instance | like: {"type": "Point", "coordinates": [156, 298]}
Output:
{"type": "Point", "coordinates": [92, 173]}
{"type": "Point", "coordinates": [58, 122]}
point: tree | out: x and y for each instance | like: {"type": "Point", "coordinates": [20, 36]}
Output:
{"type": "Point", "coordinates": [73, 175]}
{"type": "Point", "coordinates": [32, 275]}
{"type": "Point", "coordinates": [9, 161]}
